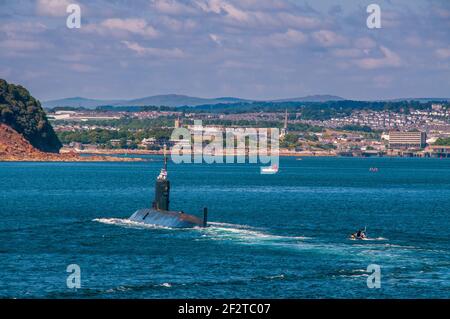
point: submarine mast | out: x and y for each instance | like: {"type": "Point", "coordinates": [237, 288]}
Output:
{"type": "Point", "coordinates": [162, 188]}
{"type": "Point", "coordinates": [160, 214]}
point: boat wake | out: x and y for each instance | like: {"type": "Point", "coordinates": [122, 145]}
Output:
{"type": "Point", "coordinates": [370, 239]}
{"type": "Point", "coordinates": [215, 231]}
{"type": "Point", "coordinates": [259, 237]}
{"type": "Point", "coordinates": [248, 235]}
{"type": "Point", "coordinates": [377, 239]}
{"type": "Point", "coordinates": [125, 222]}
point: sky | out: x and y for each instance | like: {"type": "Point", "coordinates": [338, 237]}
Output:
{"type": "Point", "coordinates": [255, 49]}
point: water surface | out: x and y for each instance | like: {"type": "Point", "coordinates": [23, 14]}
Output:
{"type": "Point", "coordinates": [271, 236]}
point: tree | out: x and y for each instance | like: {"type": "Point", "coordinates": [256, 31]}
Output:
{"type": "Point", "coordinates": [23, 113]}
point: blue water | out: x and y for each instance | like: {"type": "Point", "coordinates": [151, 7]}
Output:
{"type": "Point", "coordinates": [274, 236]}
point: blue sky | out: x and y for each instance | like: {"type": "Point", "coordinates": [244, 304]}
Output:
{"type": "Point", "coordinates": [256, 49]}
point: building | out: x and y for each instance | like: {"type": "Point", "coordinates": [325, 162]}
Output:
{"type": "Point", "coordinates": [405, 140]}
{"type": "Point", "coordinates": [436, 107]}
{"type": "Point", "coordinates": [440, 150]}
{"type": "Point", "coordinates": [148, 142]}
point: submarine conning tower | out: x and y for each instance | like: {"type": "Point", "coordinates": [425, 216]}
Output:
{"type": "Point", "coordinates": [160, 214]}
{"type": "Point", "coordinates": [162, 188]}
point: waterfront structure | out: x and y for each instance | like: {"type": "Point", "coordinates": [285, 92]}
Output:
{"type": "Point", "coordinates": [406, 140]}
{"type": "Point", "coordinates": [440, 150]}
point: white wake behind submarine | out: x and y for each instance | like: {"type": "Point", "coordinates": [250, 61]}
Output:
{"type": "Point", "coordinates": [159, 214]}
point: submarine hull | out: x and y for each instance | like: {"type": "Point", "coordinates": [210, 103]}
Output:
{"type": "Point", "coordinates": [166, 218]}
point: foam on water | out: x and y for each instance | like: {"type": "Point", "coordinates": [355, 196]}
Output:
{"type": "Point", "coordinates": [216, 231]}
{"type": "Point", "coordinates": [253, 236]}
{"type": "Point", "coordinates": [247, 234]}
{"type": "Point", "coordinates": [125, 222]}
{"type": "Point", "coordinates": [371, 239]}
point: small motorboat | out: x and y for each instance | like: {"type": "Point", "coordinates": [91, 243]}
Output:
{"type": "Point", "coordinates": [359, 235]}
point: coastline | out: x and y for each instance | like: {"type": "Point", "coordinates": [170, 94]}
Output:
{"type": "Point", "coordinates": [108, 152]}
{"type": "Point", "coordinates": [113, 156]}
{"type": "Point", "coordinates": [67, 157]}
{"type": "Point", "coordinates": [282, 153]}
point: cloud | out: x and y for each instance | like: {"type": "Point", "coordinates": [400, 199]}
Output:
{"type": "Point", "coordinates": [156, 52]}
{"type": "Point", "coordinates": [54, 8]}
{"type": "Point", "coordinates": [286, 39]}
{"type": "Point", "coordinates": [299, 21]}
{"type": "Point", "coordinates": [172, 7]}
{"type": "Point", "coordinates": [178, 25]}
{"type": "Point", "coordinates": [223, 7]}
{"type": "Point", "coordinates": [389, 59]}
{"type": "Point", "coordinates": [20, 45]}
{"type": "Point", "coordinates": [13, 29]}
{"type": "Point", "coordinates": [365, 43]}
{"type": "Point", "coordinates": [443, 53]}
{"type": "Point", "coordinates": [215, 38]}
{"type": "Point", "coordinates": [122, 27]}
{"type": "Point", "coordinates": [82, 68]}
{"type": "Point", "coordinates": [441, 12]}
{"type": "Point", "coordinates": [273, 40]}
{"type": "Point", "coordinates": [347, 53]}
{"type": "Point", "coordinates": [262, 13]}
{"type": "Point", "coordinates": [327, 38]}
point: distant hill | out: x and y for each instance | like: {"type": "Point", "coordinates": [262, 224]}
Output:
{"type": "Point", "coordinates": [174, 100]}
{"type": "Point", "coordinates": [177, 100]}
{"type": "Point", "coordinates": [170, 100]}
{"type": "Point", "coordinates": [424, 99]}
{"type": "Point", "coordinates": [312, 98]}
{"type": "Point", "coordinates": [78, 102]}
{"type": "Point", "coordinates": [24, 114]}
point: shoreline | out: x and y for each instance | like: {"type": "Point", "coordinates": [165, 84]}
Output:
{"type": "Point", "coordinates": [67, 157]}
{"type": "Point", "coordinates": [122, 155]}
{"type": "Point", "coordinates": [106, 152]}
{"type": "Point", "coordinates": [126, 152]}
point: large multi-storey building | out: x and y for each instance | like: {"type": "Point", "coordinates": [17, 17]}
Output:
{"type": "Point", "coordinates": [407, 139]}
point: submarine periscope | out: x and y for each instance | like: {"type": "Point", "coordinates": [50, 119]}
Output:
{"type": "Point", "coordinates": [160, 214]}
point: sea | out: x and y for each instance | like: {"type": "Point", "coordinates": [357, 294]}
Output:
{"type": "Point", "coordinates": [283, 235]}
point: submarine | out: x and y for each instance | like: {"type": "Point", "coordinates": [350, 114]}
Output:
{"type": "Point", "coordinates": [160, 214]}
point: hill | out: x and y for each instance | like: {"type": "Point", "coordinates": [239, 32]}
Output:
{"type": "Point", "coordinates": [174, 100]}
{"type": "Point", "coordinates": [23, 113]}
{"type": "Point", "coordinates": [312, 98]}
{"type": "Point", "coordinates": [170, 100]}
{"type": "Point", "coordinates": [79, 102]}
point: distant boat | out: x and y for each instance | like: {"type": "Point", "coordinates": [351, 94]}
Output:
{"type": "Point", "coordinates": [299, 159]}
{"type": "Point", "coordinates": [269, 169]}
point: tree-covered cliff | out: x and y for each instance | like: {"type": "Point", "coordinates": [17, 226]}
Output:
{"type": "Point", "coordinates": [23, 113]}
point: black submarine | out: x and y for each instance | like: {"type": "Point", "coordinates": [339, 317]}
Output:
{"type": "Point", "coordinates": [159, 214]}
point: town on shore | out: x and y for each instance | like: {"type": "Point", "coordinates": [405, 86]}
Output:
{"type": "Point", "coordinates": [400, 129]}
{"type": "Point", "coordinates": [330, 127]}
